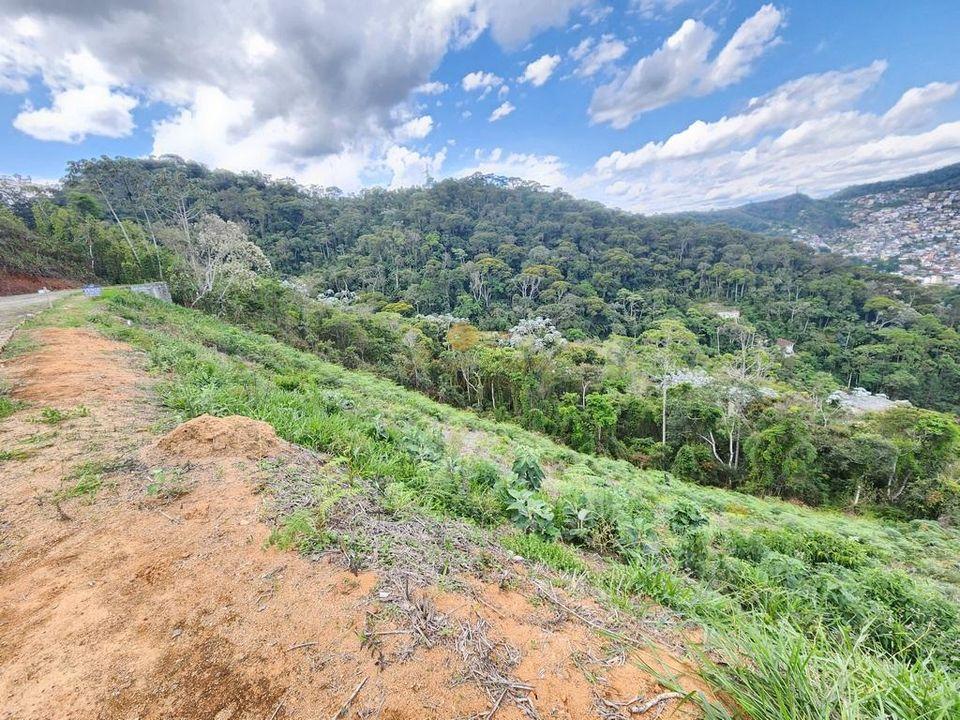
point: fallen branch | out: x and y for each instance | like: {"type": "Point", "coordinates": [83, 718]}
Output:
{"type": "Point", "coordinates": [343, 708]}
{"type": "Point", "coordinates": [584, 619]}
{"type": "Point", "coordinates": [655, 700]}
{"type": "Point", "coordinates": [61, 515]}
{"type": "Point", "coordinates": [496, 705]}
{"type": "Point", "coordinates": [488, 605]}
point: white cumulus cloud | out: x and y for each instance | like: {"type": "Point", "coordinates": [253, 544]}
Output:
{"type": "Point", "coordinates": [430, 88]}
{"type": "Point", "coordinates": [682, 67]}
{"type": "Point", "coordinates": [593, 56]}
{"type": "Point", "coordinates": [501, 111]}
{"type": "Point", "coordinates": [414, 129]}
{"type": "Point", "coordinates": [540, 70]}
{"type": "Point", "coordinates": [78, 112]}
{"type": "Point", "coordinates": [545, 169]}
{"type": "Point", "coordinates": [807, 133]}
{"type": "Point", "coordinates": [480, 80]}
{"type": "Point", "coordinates": [316, 91]}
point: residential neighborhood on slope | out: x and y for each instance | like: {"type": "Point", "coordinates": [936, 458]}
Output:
{"type": "Point", "coordinates": [908, 231]}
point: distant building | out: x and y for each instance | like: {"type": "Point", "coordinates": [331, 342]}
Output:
{"type": "Point", "coordinates": [729, 313]}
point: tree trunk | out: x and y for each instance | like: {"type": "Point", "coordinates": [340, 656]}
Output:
{"type": "Point", "coordinates": [119, 224]}
{"type": "Point", "coordinates": [663, 415]}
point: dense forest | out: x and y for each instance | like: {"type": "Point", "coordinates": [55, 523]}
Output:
{"type": "Point", "coordinates": [703, 349]}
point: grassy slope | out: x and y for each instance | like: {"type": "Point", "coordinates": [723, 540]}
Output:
{"type": "Point", "coordinates": [817, 632]}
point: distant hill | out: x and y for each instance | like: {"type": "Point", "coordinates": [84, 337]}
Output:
{"type": "Point", "coordinates": [945, 178]}
{"type": "Point", "coordinates": [821, 216]}
{"type": "Point", "coordinates": [780, 214]}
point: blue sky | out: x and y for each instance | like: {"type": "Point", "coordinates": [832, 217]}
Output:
{"type": "Point", "coordinates": [650, 105]}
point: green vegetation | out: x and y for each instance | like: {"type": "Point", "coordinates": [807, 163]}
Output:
{"type": "Point", "coordinates": [645, 339]}
{"type": "Point", "coordinates": [8, 406]}
{"type": "Point", "coordinates": [17, 454]}
{"type": "Point", "coordinates": [20, 344]}
{"type": "Point", "coordinates": [849, 612]}
{"type": "Point", "coordinates": [167, 483]}
{"type": "Point", "coordinates": [87, 480]}
{"type": "Point", "coordinates": [641, 344]}
{"type": "Point", "coordinates": [303, 531]}
{"type": "Point", "coordinates": [551, 553]}
{"type": "Point", "coordinates": [495, 251]}
{"type": "Point", "coordinates": [55, 416]}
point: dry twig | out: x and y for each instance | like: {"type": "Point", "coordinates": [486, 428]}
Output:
{"type": "Point", "coordinates": [346, 705]}
{"type": "Point", "coordinates": [302, 645]}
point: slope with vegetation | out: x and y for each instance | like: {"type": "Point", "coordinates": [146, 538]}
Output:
{"type": "Point", "coordinates": [808, 614]}
{"type": "Point", "coordinates": [655, 343]}
{"type": "Point", "coordinates": [646, 346]}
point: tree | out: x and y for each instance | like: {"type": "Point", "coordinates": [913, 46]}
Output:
{"type": "Point", "coordinates": [462, 338]}
{"type": "Point", "coordinates": [927, 458]}
{"type": "Point", "coordinates": [783, 460]}
{"type": "Point", "coordinates": [668, 347]}
{"type": "Point", "coordinates": [218, 258]}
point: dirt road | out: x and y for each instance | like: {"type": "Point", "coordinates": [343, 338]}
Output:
{"type": "Point", "coordinates": [136, 580]}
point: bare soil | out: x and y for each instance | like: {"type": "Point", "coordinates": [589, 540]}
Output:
{"type": "Point", "coordinates": [13, 283]}
{"type": "Point", "coordinates": [128, 604]}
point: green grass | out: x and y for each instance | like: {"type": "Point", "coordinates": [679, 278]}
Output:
{"type": "Point", "coordinates": [8, 406]}
{"type": "Point", "coordinates": [20, 344]}
{"type": "Point", "coordinates": [16, 454]}
{"type": "Point", "coordinates": [55, 416]}
{"type": "Point", "coordinates": [85, 487]}
{"type": "Point", "coordinates": [552, 554]}
{"type": "Point", "coordinates": [303, 531]}
{"type": "Point", "coordinates": [88, 479]}
{"type": "Point", "coordinates": [792, 676]}
{"type": "Point", "coordinates": [752, 571]}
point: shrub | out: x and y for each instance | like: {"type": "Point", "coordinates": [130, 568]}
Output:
{"type": "Point", "coordinates": [530, 512]}
{"type": "Point", "coordinates": [527, 471]}
{"type": "Point", "coordinates": [601, 521]}
{"type": "Point", "coordinates": [684, 516]}
{"type": "Point", "coordinates": [694, 463]}
{"type": "Point", "coordinates": [816, 547]}
{"type": "Point", "coordinates": [745, 546]}
{"type": "Point", "coordinates": [693, 552]}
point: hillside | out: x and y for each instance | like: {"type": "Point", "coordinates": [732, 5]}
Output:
{"type": "Point", "coordinates": [945, 178]}
{"type": "Point", "coordinates": [910, 225]}
{"type": "Point", "coordinates": [780, 215]}
{"type": "Point", "coordinates": [495, 251]}
{"type": "Point", "coordinates": [780, 590]}
{"type": "Point", "coordinates": [720, 355]}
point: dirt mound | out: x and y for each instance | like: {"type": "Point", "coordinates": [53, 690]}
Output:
{"type": "Point", "coordinates": [233, 436]}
